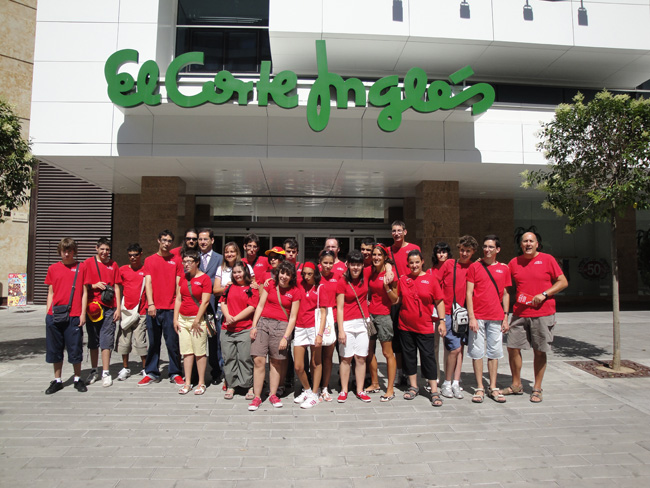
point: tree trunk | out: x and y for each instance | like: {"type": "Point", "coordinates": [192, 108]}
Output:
{"type": "Point", "coordinates": [616, 361]}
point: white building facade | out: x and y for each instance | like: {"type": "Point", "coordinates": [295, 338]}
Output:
{"type": "Point", "coordinates": [175, 151]}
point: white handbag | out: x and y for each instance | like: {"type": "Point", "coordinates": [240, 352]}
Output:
{"type": "Point", "coordinates": [329, 334]}
{"type": "Point", "coordinates": [130, 316]}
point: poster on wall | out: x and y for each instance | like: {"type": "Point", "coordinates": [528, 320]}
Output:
{"type": "Point", "coordinates": [17, 296]}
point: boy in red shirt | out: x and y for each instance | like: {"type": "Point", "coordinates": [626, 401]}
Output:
{"type": "Point", "coordinates": [65, 289]}
{"type": "Point", "coordinates": [101, 274]}
{"type": "Point", "coordinates": [162, 273]}
{"type": "Point", "coordinates": [487, 306]}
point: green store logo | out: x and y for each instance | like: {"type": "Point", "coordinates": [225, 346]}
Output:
{"type": "Point", "coordinates": [416, 93]}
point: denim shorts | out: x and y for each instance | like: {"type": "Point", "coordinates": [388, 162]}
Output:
{"type": "Point", "coordinates": [489, 331]}
{"type": "Point", "coordinates": [453, 341]}
{"type": "Point", "coordinates": [67, 336]}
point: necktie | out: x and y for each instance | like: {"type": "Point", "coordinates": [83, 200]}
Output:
{"type": "Point", "coordinates": [204, 258]}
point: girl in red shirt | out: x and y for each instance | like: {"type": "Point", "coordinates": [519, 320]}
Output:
{"type": "Point", "coordinates": [275, 317]}
{"type": "Point", "coordinates": [308, 333]}
{"type": "Point", "coordinates": [327, 293]}
{"type": "Point", "coordinates": [351, 312]}
{"type": "Point", "coordinates": [238, 306]}
{"type": "Point", "coordinates": [379, 308]}
{"type": "Point", "coordinates": [419, 292]}
{"type": "Point", "coordinates": [189, 322]}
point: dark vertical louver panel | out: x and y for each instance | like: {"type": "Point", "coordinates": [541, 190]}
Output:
{"type": "Point", "coordinates": [66, 206]}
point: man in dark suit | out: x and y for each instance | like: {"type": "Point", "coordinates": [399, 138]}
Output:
{"type": "Point", "coordinates": [210, 262]}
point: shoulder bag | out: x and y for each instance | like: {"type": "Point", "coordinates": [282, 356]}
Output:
{"type": "Point", "coordinates": [370, 325]}
{"type": "Point", "coordinates": [210, 323]}
{"type": "Point", "coordinates": [108, 294]}
{"type": "Point", "coordinates": [329, 334]}
{"type": "Point", "coordinates": [61, 313]}
{"type": "Point", "coordinates": [131, 316]}
{"type": "Point", "coordinates": [492, 279]}
{"type": "Point", "coordinates": [459, 315]}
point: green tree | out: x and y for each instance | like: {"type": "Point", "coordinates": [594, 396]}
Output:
{"type": "Point", "coordinates": [599, 155]}
{"type": "Point", "coordinates": [16, 162]}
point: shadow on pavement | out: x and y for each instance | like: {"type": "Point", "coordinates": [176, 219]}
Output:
{"type": "Point", "coordinates": [22, 349]}
{"type": "Point", "coordinates": [572, 348]}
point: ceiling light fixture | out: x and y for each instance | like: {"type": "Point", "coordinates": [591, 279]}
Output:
{"type": "Point", "coordinates": [398, 11]}
{"type": "Point", "coordinates": [582, 15]}
{"type": "Point", "coordinates": [464, 9]}
{"type": "Point", "coordinates": [528, 11]}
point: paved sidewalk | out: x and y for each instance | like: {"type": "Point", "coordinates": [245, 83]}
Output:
{"type": "Point", "coordinates": [588, 431]}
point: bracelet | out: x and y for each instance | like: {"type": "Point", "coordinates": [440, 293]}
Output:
{"type": "Point", "coordinates": [319, 335]}
{"type": "Point", "coordinates": [150, 305]}
{"type": "Point", "coordinates": [285, 338]}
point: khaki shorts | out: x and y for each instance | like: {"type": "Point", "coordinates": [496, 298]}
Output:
{"type": "Point", "coordinates": [384, 326]}
{"type": "Point", "coordinates": [188, 342]}
{"type": "Point", "coordinates": [535, 332]}
{"type": "Point", "coordinates": [133, 338]}
{"type": "Point", "coordinates": [267, 341]}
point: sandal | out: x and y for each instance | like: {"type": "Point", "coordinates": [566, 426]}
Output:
{"type": "Point", "coordinates": [436, 401]}
{"type": "Point", "coordinates": [184, 390]}
{"type": "Point", "coordinates": [479, 394]}
{"type": "Point", "coordinates": [495, 394]}
{"type": "Point", "coordinates": [200, 390]}
{"type": "Point", "coordinates": [230, 393]}
{"type": "Point", "coordinates": [536, 396]}
{"type": "Point", "coordinates": [513, 390]}
{"type": "Point", "coordinates": [250, 395]}
{"type": "Point", "coordinates": [374, 390]}
{"type": "Point", "coordinates": [411, 393]}
{"type": "Point", "coordinates": [325, 395]}
{"type": "Point", "coordinates": [386, 398]}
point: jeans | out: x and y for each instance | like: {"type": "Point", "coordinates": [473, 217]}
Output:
{"type": "Point", "coordinates": [157, 327]}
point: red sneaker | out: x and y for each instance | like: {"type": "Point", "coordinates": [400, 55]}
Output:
{"type": "Point", "coordinates": [363, 396]}
{"type": "Point", "coordinates": [343, 396]}
{"type": "Point", "coordinates": [178, 380]}
{"type": "Point", "coordinates": [255, 404]}
{"type": "Point", "coordinates": [275, 401]}
{"type": "Point", "coordinates": [147, 380]}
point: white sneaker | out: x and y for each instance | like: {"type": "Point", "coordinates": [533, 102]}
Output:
{"type": "Point", "coordinates": [310, 401]}
{"type": "Point", "coordinates": [143, 373]}
{"type": "Point", "coordinates": [107, 381]}
{"type": "Point", "coordinates": [123, 374]}
{"type": "Point", "coordinates": [302, 397]}
{"type": "Point", "coordinates": [446, 391]}
{"type": "Point", "coordinates": [458, 391]}
{"type": "Point", "coordinates": [92, 377]}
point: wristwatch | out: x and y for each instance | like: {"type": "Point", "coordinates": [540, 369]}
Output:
{"type": "Point", "coordinates": [545, 294]}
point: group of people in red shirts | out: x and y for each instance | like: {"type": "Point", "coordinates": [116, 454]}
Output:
{"type": "Point", "coordinates": [231, 312]}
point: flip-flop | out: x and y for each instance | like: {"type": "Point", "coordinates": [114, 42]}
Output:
{"type": "Point", "coordinates": [374, 390]}
{"type": "Point", "coordinates": [249, 395]}
{"type": "Point", "coordinates": [386, 398]}
{"type": "Point", "coordinates": [230, 393]}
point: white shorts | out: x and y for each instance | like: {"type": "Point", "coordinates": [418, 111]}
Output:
{"type": "Point", "coordinates": [356, 344]}
{"type": "Point", "coordinates": [304, 336]}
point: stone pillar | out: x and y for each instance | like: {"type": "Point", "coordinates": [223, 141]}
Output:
{"type": "Point", "coordinates": [432, 215]}
{"type": "Point", "coordinates": [163, 205]}
{"type": "Point", "coordinates": [126, 214]}
{"type": "Point", "coordinates": [479, 217]}
{"type": "Point", "coordinates": [627, 255]}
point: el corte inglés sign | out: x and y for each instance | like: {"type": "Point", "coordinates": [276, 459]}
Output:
{"type": "Point", "coordinates": [416, 93]}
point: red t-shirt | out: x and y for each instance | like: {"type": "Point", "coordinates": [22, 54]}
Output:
{"type": "Point", "coordinates": [177, 251]}
{"type": "Point", "coordinates": [418, 297]}
{"type": "Point", "coordinates": [61, 277]}
{"type": "Point", "coordinates": [487, 304]}
{"type": "Point", "coordinates": [260, 268]}
{"type": "Point", "coordinates": [339, 268]}
{"type": "Point", "coordinates": [308, 305]}
{"type": "Point", "coordinates": [163, 272]}
{"type": "Point", "coordinates": [533, 276]}
{"type": "Point", "coordinates": [237, 300]}
{"type": "Point", "coordinates": [435, 272]}
{"type": "Point", "coordinates": [379, 302]}
{"type": "Point", "coordinates": [399, 257]}
{"type": "Point", "coordinates": [132, 288]}
{"type": "Point", "coordinates": [328, 292]}
{"type": "Point", "coordinates": [110, 274]}
{"type": "Point", "coordinates": [446, 277]}
{"type": "Point", "coordinates": [200, 285]}
{"type": "Point", "coordinates": [350, 307]}
{"type": "Point", "coordinates": [272, 309]}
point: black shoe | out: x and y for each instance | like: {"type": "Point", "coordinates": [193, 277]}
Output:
{"type": "Point", "coordinates": [80, 386]}
{"type": "Point", "coordinates": [54, 387]}
{"type": "Point", "coordinates": [215, 381]}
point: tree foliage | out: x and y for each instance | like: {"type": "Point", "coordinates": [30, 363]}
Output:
{"type": "Point", "coordinates": [16, 162]}
{"type": "Point", "coordinates": [599, 155]}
